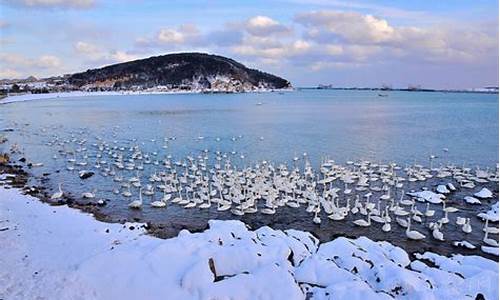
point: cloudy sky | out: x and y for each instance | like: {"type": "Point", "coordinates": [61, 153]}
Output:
{"type": "Point", "coordinates": [438, 44]}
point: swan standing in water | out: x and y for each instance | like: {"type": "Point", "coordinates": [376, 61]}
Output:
{"type": "Point", "coordinates": [436, 233]}
{"type": "Point", "coordinates": [488, 241]}
{"type": "Point", "coordinates": [317, 219]}
{"type": "Point", "coordinates": [57, 195]}
{"type": "Point", "coordinates": [89, 195]}
{"type": "Point", "coordinates": [413, 234]}
{"type": "Point", "coordinates": [428, 212]}
{"type": "Point", "coordinates": [363, 222]}
{"type": "Point", "coordinates": [466, 227]}
{"type": "Point", "coordinates": [136, 204]}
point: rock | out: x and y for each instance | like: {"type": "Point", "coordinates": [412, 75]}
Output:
{"type": "Point", "coordinates": [442, 189]}
{"type": "Point", "coordinates": [472, 200]}
{"type": "Point", "coordinates": [484, 193]}
{"type": "Point", "coordinates": [464, 244]}
{"type": "Point", "coordinates": [85, 174]}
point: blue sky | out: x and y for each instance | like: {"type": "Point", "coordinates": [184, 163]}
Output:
{"type": "Point", "coordinates": [439, 44]}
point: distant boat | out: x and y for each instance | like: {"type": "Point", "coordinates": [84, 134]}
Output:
{"type": "Point", "coordinates": [383, 95]}
{"type": "Point", "coordinates": [259, 103]}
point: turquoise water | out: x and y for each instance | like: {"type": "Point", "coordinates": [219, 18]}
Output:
{"type": "Point", "coordinates": [404, 127]}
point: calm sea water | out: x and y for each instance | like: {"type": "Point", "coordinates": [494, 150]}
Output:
{"type": "Point", "coordinates": [345, 125]}
{"type": "Point", "coordinates": [404, 127]}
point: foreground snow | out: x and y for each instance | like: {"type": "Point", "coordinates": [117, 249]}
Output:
{"type": "Point", "coordinates": [60, 253]}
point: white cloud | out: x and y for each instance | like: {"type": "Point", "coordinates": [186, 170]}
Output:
{"type": "Point", "coordinates": [89, 50]}
{"type": "Point", "coordinates": [264, 26]}
{"type": "Point", "coordinates": [359, 37]}
{"type": "Point", "coordinates": [43, 62]}
{"type": "Point", "coordinates": [9, 73]}
{"type": "Point", "coordinates": [268, 48]}
{"type": "Point", "coordinates": [48, 61]}
{"type": "Point", "coordinates": [186, 34]}
{"type": "Point", "coordinates": [99, 55]}
{"type": "Point", "coordinates": [349, 26]}
{"type": "Point", "coordinates": [77, 4]}
{"type": "Point", "coordinates": [16, 65]}
{"type": "Point", "coordinates": [122, 56]}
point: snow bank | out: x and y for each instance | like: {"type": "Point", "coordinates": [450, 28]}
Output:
{"type": "Point", "coordinates": [428, 196]}
{"type": "Point", "coordinates": [61, 253]}
{"type": "Point", "coordinates": [491, 214]}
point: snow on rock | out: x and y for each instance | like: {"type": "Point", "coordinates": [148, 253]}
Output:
{"type": "Point", "coordinates": [442, 189]}
{"type": "Point", "coordinates": [464, 244]}
{"type": "Point", "coordinates": [61, 253]}
{"type": "Point", "coordinates": [472, 200]}
{"type": "Point", "coordinates": [428, 196]}
{"type": "Point", "coordinates": [491, 214]}
{"type": "Point", "coordinates": [484, 193]}
{"type": "Point", "coordinates": [490, 250]}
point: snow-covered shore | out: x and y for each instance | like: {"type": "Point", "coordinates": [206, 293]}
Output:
{"type": "Point", "coordinates": [60, 253]}
{"type": "Point", "coordinates": [30, 97]}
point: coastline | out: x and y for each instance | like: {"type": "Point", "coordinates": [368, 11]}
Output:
{"type": "Point", "coordinates": [46, 96]}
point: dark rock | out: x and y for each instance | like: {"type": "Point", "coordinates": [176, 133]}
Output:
{"type": "Point", "coordinates": [85, 174]}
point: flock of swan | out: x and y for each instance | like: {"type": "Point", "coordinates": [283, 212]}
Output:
{"type": "Point", "coordinates": [370, 193]}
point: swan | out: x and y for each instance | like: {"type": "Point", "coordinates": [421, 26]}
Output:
{"type": "Point", "coordinates": [387, 226]}
{"type": "Point", "coordinates": [436, 234]}
{"type": "Point", "coordinates": [317, 219]}
{"type": "Point", "coordinates": [402, 222]}
{"type": "Point", "coordinates": [413, 234]}
{"type": "Point", "coordinates": [428, 212]}
{"type": "Point", "coordinates": [416, 218]}
{"type": "Point", "coordinates": [58, 194]}
{"type": "Point", "coordinates": [460, 221]}
{"type": "Point", "coordinates": [466, 227]}
{"type": "Point", "coordinates": [158, 204]}
{"type": "Point", "coordinates": [89, 195]}
{"type": "Point", "coordinates": [136, 204]}
{"type": "Point", "coordinates": [363, 222]}
{"type": "Point", "coordinates": [268, 211]}
{"type": "Point", "coordinates": [127, 193]}
{"type": "Point", "coordinates": [489, 241]}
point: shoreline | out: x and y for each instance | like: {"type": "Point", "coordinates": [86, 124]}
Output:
{"type": "Point", "coordinates": [57, 95]}
{"type": "Point", "coordinates": [41, 239]}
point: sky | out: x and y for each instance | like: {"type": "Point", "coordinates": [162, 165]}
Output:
{"type": "Point", "coordinates": [362, 43]}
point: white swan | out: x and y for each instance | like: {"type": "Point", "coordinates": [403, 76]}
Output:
{"type": "Point", "coordinates": [413, 234]}
{"type": "Point", "coordinates": [89, 195]}
{"type": "Point", "coordinates": [136, 204]}
{"type": "Point", "coordinates": [428, 212]}
{"type": "Point", "coordinates": [363, 222]}
{"type": "Point", "coordinates": [436, 234]}
{"type": "Point", "coordinates": [317, 219]}
{"type": "Point", "coordinates": [466, 227]}
{"type": "Point", "coordinates": [489, 241]}
{"type": "Point", "coordinates": [58, 194]}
